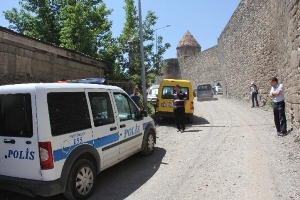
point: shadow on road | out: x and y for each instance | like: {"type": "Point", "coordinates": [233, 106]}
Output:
{"type": "Point", "coordinates": [171, 122]}
{"type": "Point", "coordinates": [116, 182]}
{"type": "Point", "coordinates": [213, 99]}
{"type": "Point", "coordinates": [121, 180]}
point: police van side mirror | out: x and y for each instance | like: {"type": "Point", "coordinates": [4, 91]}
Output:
{"type": "Point", "coordinates": [144, 114]}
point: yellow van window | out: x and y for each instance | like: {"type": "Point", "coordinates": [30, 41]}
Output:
{"type": "Point", "coordinates": [167, 92]}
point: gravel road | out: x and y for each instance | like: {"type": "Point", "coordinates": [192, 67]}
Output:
{"type": "Point", "coordinates": [231, 151]}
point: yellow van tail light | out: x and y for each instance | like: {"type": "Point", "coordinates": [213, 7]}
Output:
{"type": "Point", "coordinates": [192, 105]}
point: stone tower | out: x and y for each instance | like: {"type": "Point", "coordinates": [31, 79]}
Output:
{"type": "Point", "coordinates": [188, 46]}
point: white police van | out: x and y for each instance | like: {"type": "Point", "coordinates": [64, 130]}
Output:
{"type": "Point", "coordinates": [56, 137]}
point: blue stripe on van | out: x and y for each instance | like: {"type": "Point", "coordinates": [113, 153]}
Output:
{"type": "Point", "coordinates": [61, 154]}
{"type": "Point", "coordinates": [106, 140]}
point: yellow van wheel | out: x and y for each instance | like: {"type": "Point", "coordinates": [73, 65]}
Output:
{"type": "Point", "coordinates": [158, 118]}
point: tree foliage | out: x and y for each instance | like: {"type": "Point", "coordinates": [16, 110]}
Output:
{"type": "Point", "coordinates": [38, 19]}
{"type": "Point", "coordinates": [130, 40]}
{"type": "Point", "coordinates": [83, 25]}
{"type": "Point", "coordinates": [80, 25]}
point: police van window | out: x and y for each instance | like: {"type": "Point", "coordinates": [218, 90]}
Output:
{"type": "Point", "coordinates": [15, 115]}
{"type": "Point", "coordinates": [127, 109]}
{"type": "Point", "coordinates": [68, 112]}
{"type": "Point", "coordinates": [101, 108]}
{"type": "Point", "coordinates": [133, 109]}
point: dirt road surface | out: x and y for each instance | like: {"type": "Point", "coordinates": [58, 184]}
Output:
{"type": "Point", "coordinates": [231, 151]}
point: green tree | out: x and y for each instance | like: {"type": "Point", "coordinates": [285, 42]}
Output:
{"type": "Point", "coordinates": [80, 25]}
{"type": "Point", "coordinates": [129, 39]}
{"type": "Point", "coordinates": [85, 26]}
{"type": "Point", "coordinates": [38, 19]}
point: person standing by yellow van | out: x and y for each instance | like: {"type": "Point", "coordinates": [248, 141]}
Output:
{"type": "Point", "coordinates": [179, 101]}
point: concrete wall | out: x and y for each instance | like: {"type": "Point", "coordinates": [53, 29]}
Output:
{"type": "Point", "coordinates": [24, 59]}
{"type": "Point", "coordinates": [262, 39]}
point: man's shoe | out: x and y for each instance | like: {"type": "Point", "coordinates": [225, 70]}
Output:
{"type": "Point", "coordinates": [178, 130]}
{"type": "Point", "coordinates": [279, 133]}
{"type": "Point", "coordinates": [181, 130]}
{"type": "Point", "coordinates": [284, 132]}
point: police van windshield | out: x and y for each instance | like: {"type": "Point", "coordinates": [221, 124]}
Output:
{"type": "Point", "coordinates": [15, 115]}
{"type": "Point", "coordinates": [168, 91]}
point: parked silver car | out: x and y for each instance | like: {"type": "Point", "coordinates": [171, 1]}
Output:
{"type": "Point", "coordinates": [151, 95]}
{"type": "Point", "coordinates": [218, 90]}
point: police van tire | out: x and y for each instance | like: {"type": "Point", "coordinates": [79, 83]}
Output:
{"type": "Point", "coordinates": [76, 188]}
{"type": "Point", "coordinates": [148, 147]}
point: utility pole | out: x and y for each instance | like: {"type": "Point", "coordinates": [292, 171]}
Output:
{"type": "Point", "coordinates": [142, 59]}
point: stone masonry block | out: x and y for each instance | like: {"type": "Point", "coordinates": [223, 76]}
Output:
{"type": "Point", "coordinates": [9, 48]}
{"type": "Point", "coordinates": [24, 52]}
{"type": "Point", "coordinates": [1, 46]}
{"type": "Point", "coordinates": [23, 64]}
{"type": "Point", "coordinates": [293, 98]}
{"type": "Point", "coordinates": [41, 66]}
{"type": "Point", "coordinates": [43, 56]}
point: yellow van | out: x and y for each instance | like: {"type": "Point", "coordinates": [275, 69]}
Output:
{"type": "Point", "coordinates": [164, 106]}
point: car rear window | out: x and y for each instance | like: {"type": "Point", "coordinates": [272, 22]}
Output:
{"type": "Point", "coordinates": [15, 115]}
{"type": "Point", "coordinates": [204, 87]}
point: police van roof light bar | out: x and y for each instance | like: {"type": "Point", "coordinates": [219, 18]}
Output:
{"type": "Point", "coordinates": [88, 80]}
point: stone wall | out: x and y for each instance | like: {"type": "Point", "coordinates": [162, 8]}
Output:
{"type": "Point", "coordinates": [24, 59]}
{"type": "Point", "coordinates": [204, 67]}
{"type": "Point", "coordinates": [262, 39]}
{"type": "Point", "coordinates": [172, 69]}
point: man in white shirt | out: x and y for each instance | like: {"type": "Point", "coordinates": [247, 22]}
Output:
{"type": "Point", "coordinates": [277, 94]}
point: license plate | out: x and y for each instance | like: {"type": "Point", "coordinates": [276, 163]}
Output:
{"type": "Point", "coordinates": [166, 105]}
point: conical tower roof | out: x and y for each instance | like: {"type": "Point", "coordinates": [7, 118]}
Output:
{"type": "Point", "coordinates": [188, 40]}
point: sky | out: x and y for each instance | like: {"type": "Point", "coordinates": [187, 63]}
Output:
{"type": "Point", "coordinates": [205, 19]}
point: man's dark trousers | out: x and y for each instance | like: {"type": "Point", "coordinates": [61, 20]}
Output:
{"type": "Point", "coordinates": [254, 97]}
{"type": "Point", "coordinates": [179, 113]}
{"type": "Point", "coordinates": [279, 116]}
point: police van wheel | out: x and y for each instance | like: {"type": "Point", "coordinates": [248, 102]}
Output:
{"type": "Point", "coordinates": [148, 143]}
{"type": "Point", "coordinates": [81, 180]}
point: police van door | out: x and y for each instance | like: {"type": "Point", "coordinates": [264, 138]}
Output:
{"type": "Point", "coordinates": [104, 125]}
{"type": "Point", "coordinates": [18, 134]}
{"type": "Point", "coordinates": [130, 128]}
